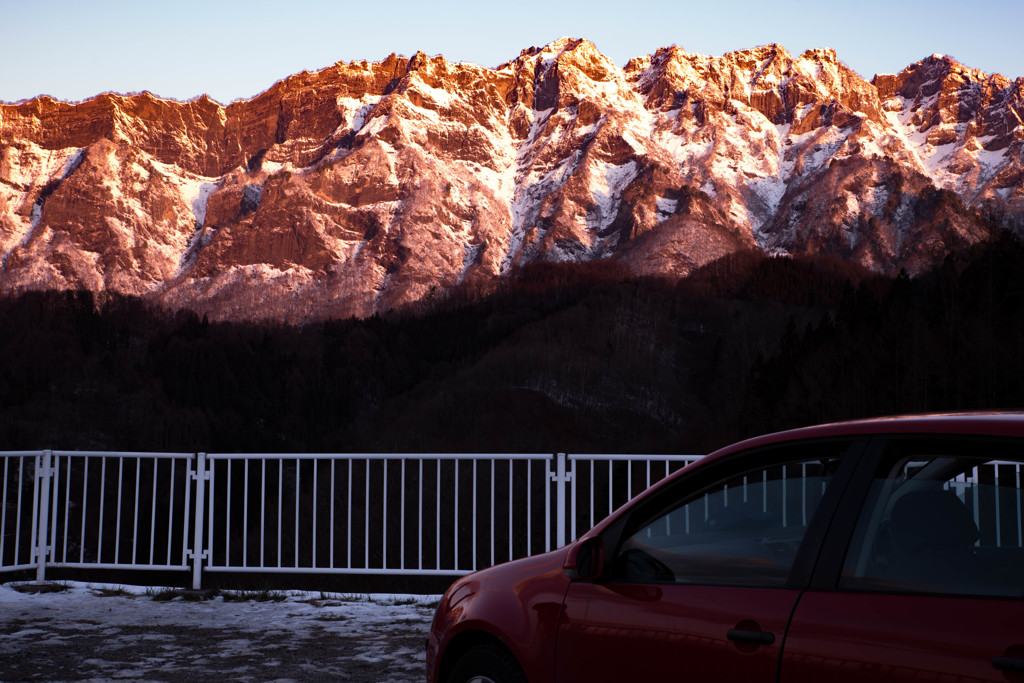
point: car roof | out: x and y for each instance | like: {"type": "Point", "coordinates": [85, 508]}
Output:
{"type": "Point", "coordinates": [997, 424]}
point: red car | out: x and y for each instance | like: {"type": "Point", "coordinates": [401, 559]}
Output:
{"type": "Point", "coordinates": [880, 550]}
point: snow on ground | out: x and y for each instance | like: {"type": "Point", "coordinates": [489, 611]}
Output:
{"type": "Point", "coordinates": [105, 632]}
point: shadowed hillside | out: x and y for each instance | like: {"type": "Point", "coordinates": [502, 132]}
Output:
{"type": "Point", "coordinates": [577, 358]}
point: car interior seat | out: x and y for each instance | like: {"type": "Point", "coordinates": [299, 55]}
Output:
{"type": "Point", "coordinates": [931, 536]}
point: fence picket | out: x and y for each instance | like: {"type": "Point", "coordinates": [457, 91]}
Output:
{"type": "Point", "coordinates": [44, 474]}
{"type": "Point", "coordinates": [200, 476]}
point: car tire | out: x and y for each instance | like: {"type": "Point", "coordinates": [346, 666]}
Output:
{"type": "Point", "coordinates": [489, 663]}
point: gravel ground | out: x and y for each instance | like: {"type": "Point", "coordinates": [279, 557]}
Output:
{"type": "Point", "coordinates": [102, 633]}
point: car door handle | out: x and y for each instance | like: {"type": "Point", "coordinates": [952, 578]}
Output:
{"type": "Point", "coordinates": [757, 637]}
{"type": "Point", "coordinates": [1008, 663]}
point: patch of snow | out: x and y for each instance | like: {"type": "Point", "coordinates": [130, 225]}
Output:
{"type": "Point", "coordinates": [802, 113]}
{"type": "Point", "coordinates": [821, 148]}
{"type": "Point", "coordinates": [607, 184]}
{"type": "Point", "coordinates": [416, 112]}
{"type": "Point", "coordinates": [23, 165]}
{"type": "Point", "coordinates": [553, 49]}
{"type": "Point", "coordinates": [73, 162]}
{"type": "Point", "coordinates": [796, 139]}
{"type": "Point", "coordinates": [906, 133]}
{"type": "Point", "coordinates": [809, 67]}
{"type": "Point", "coordinates": [291, 278]}
{"type": "Point", "coordinates": [539, 121]}
{"type": "Point", "coordinates": [560, 173]}
{"type": "Point", "coordinates": [524, 213]}
{"type": "Point", "coordinates": [471, 255]}
{"type": "Point", "coordinates": [635, 144]}
{"type": "Point", "coordinates": [852, 207]}
{"type": "Point", "coordinates": [37, 214]}
{"type": "Point", "coordinates": [355, 110]}
{"type": "Point", "coordinates": [438, 96]}
{"type": "Point", "coordinates": [524, 209]}
{"type": "Point", "coordinates": [877, 198]}
{"type": "Point", "coordinates": [989, 159]}
{"type": "Point", "coordinates": [198, 202]}
{"type": "Point", "coordinates": [870, 147]}
{"type": "Point", "coordinates": [26, 237]}
{"type": "Point", "coordinates": [375, 126]}
{"type": "Point", "coordinates": [361, 114]}
{"type": "Point", "coordinates": [934, 158]}
{"type": "Point", "coordinates": [247, 635]}
{"type": "Point", "coordinates": [667, 206]}
{"type": "Point", "coordinates": [195, 190]}
{"type": "Point", "coordinates": [686, 153]}
{"type": "Point", "coordinates": [273, 167]}
{"type": "Point", "coordinates": [770, 190]}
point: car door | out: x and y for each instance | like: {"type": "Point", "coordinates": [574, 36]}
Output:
{"type": "Point", "coordinates": [930, 586]}
{"type": "Point", "coordinates": [700, 579]}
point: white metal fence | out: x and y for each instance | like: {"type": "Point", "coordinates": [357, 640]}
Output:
{"type": "Point", "coordinates": [409, 514]}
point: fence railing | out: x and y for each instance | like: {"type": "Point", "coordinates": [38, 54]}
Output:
{"type": "Point", "coordinates": [409, 514]}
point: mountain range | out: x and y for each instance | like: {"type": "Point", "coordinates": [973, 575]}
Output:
{"type": "Point", "coordinates": [371, 186]}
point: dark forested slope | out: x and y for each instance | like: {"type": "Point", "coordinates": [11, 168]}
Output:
{"type": "Point", "coordinates": [578, 358]}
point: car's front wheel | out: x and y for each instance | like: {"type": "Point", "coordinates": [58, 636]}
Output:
{"type": "Point", "coordinates": [490, 663]}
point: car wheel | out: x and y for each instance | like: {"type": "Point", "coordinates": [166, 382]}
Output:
{"type": "Point", "coordinates": [487, 664]}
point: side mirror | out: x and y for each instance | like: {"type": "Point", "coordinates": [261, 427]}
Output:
{"type": "Point", "coordinates": [585, 559]}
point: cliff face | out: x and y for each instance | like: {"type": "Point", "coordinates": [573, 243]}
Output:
{"type": "Point", "coordinates": [367, 186]}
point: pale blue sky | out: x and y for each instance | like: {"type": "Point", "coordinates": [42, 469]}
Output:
{"type": "Point", "coordinates": [73, 49]}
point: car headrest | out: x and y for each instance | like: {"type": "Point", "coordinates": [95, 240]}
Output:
{"type": "Point", "coordinates": [932, 519]}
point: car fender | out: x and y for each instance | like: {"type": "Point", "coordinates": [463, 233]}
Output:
{"type": "Point", "coordinates": [517, 603]}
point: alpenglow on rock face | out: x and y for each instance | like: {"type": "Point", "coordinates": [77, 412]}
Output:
{"type": "Point", "coordinates": [367, 186]}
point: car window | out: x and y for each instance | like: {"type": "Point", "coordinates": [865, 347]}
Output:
{"type": "Point", "coordinates": [744, 529]}
{"type": "Point", "coordinates": [941, 517]}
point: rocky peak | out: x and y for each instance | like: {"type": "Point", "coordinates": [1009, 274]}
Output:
{"type": "Point", "coordinates": [558, 74]}
{"type": "Point", "coordinates": [786, 90]}
{"type": "Point", "coordinates": [583, 56]}
{"type": "Point", "coordinates": [954, 104]}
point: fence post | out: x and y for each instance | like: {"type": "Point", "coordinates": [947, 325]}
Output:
{"type": "Point", "coordinates": [200, 476]}
{"type": "Point", "coordinates": [561, 478]}
{"type": "Point", "coordinates": [40, 545]}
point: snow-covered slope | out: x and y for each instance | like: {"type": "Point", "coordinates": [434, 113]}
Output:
{"type": "Point", "coordinates": [367, 186]}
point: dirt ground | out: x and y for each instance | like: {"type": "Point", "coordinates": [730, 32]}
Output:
{"type": "Point", "coordinates": [110, 633]}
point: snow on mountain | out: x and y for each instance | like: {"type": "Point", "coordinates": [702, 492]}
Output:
{"type": "Point", "coordinates": [368, 186]}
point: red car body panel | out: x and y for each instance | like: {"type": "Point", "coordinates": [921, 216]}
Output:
{"type": "Point", "coordinates": [854, 637]}
{"type": "Point", "coordinates": [518, 603]}
{"type": "Point", "coordinates": [621, 632]}
{"type": "Point", "coordinates": [1009, 424]}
